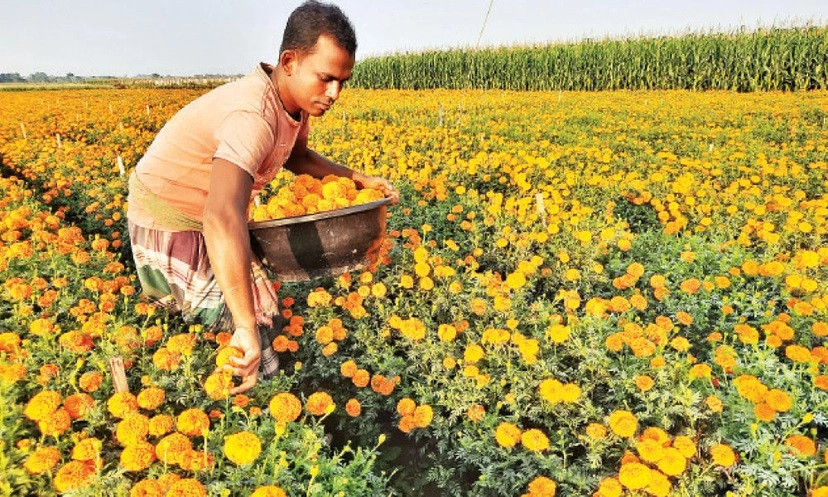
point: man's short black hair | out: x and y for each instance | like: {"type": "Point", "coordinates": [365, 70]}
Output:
{"type": "Point", "coordinates": [312, 19]}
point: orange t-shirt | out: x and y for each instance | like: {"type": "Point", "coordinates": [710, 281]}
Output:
{"type": "Point", "coordinates": [243, 122]}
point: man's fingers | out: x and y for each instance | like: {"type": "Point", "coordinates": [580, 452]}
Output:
{"type": "Point", "coordinates": [244, 362]}
{"type": "Point", "coordinates": [248, 383]}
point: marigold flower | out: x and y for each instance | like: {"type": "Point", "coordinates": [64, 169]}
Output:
{"type": "Point", "coordinates": [151, 398]}
{"type": "Point", "coordinates": [132, 429]}
{"type": "Point", "coordinates": [138, 456]}
{"type": "Point", "coordinates": [596, 431]}
{"type": "Point", "coordinates": [644, 382]}
{"type": "Point", "coordinates": [187, 487]}
{"type": "Point", "coordinates": [88, 449]}
{"type": "Point", "coordinates": [90, 381]}
{"type": "Point", "coordinates": [634, 475]}
{"type": "Point", "coordinates": [507, 435]}
{"type": "Point", "coordinates": [476, 413]}
{"type": "Point", "coordinates": [55, 423]}
{"type": "Point", "coordinates": [542, 486]}
{"type": "Point", "coordinates": [147, 488]}
{"type": "Point", "coordinates": [672, 462]}
{"type": "Point", "coordinates": [406, 406]}
{"type": "Point", "coordinates": [242, 448]}
{"type": "Point", "coordinates": [42, 405]}
{"type": "Point", "coordinates": [172, 448]}
{"type": "Point", "coordinates": [74, 474]}
{"type": "Point", "coordinates": [610, 487]}
{"type": "Point", "coordinates": [218, 385]}
{"type": "Point", "coordinates": [623, 423]}
{"type": "Point", "coordinates": [161, 424]}
{"type": "Point", "coordinates": [285, 407]}
{"type": "Point", "coordinates": [659, 485]}
{"type": "Point", "coordinates": [269, 491]}
{"type": "Point", "coordinates": [801, 445]}
{"type": "Point", "coordinates": [42, 460]}
{"type": "Point", "coordinates": [423, 414]}
{"type": "Point", "coordinates": [723, 455]}
{"type": "Point", "coordinates": [534, 440]}
{"type": "Point", "coordinates": [319, 403]}
{"type": "Point", "coordinates": [78, 404]}
{"type": "Point", "coordinates": [353, 408]}
{"type": "Point", "coordinates": [685, 445]}
{"type": "Point", "coordinates": [122, 403]}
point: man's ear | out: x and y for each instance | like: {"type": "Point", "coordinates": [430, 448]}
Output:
{"type": "Point", "coordinates": [288, 60]}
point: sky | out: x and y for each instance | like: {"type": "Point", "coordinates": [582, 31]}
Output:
{"type": "Point", "coordinates": [188, 37]}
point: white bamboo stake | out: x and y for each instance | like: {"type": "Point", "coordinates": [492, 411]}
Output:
{"type": "Point", "coordinates": [148, 112]}
{"type": "Point", "coordinates": [23, 128]}
{"type": "Point", "coordinates": [121, 165]}
{"type": "Point", "coordinates": [541, 207]}
{"type": "Point", "coordinates": [59, 143]}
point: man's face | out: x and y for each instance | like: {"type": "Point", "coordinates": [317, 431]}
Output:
{"type": "Point", "coordinates": [316, 79]}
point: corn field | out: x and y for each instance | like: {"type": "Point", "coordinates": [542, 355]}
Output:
{"type": "Point", "coordinates": [771, 59]}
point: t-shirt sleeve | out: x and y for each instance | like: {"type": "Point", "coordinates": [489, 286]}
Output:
{"type": "Point", "coordinates": [304, 129]}
{"type": "Point", "coordinates": [245, 139]}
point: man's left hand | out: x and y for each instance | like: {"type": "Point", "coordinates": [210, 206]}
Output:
{"type": "Point", "coordinates": [382, 185]}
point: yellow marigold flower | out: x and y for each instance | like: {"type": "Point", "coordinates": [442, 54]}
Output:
{"type": "Point", "coordinates": [623, 423]}
{"type": "Point", "coordinates": [161, 425]}
{"type": "Point", "coordinates": [73, 475]}
{"type": "Point", "coordinates": [122, 403]}
{"type": "Point", "coordinates": [723, 455]}
{"type": "Point", "coordinates": [610, 487]}
{"type": "Point", "coordinates": [764, 412]}
{"type": "Point", "coordinates": [269, 491]}
{"type": "Point", "coordinates": [634, 475]}
{"type": "Point", "coordinates": [42, 405]}
{"type": "Point", "coordinates": [515, 280]}
{"type": "Point", "coordinates": [151, 398]}
{"type": "Point", "coordinates": [685, 445]}
{"type": "Point", "coordinates": [534, 440]}
{"type": "Point", "coordinates": [507, 435]}
{"type": "Point", "coordinates": [557, 333]}
{"type": "Point", "coordinates": [476, 413]}
{"type": "Point", "coordinates": [650, 450]}
{"type": "Point", "coordinates": [88, 449]}
{"type": "Point", "coordinates": [43, 459]}
{"type": "Point", "coordinates": [423, 415]}
{"type": "Point", "coordinates": [138, 456]}
{"type": "Point", "coordinates": [596, 431]}
{"type": "Point", "coordinates": [348, 368]}
{"type": "Point", "coordinates": [242, 448]}
{"type": "Point", "coordinates": [193, 422]}
{"type": "Point", "coordinates": [550, 390]}
{"type": "Point", "coordinates": [406, 281]}
{"type": "Point", "coordinates": [319, 403]}
{"type": "Point", "coordinates": [132, 429]}
{"type": "Point", "coordinates": [801, 445]}
{"type": "Point", "coordinates": [778, 400]}
{"type": "Point", "coordinates": [659, 485]}
{"type": "Point", "coordinates": [187, 487]}
{"type": "Point", "coordinates": [700, 371]}
{"type": "Point", "coordinates": [446, 332]}
{"type": "Point", "coordinates": [644, 382]}
{"type": "Point", "coordinates": [569, 393]}
{"type": "Point", "coordinates": [672, 462]}
{"type": "Point", "coordinates": [542, 486]}
{"type": "Point", "coordinates": [285, 407]}
{"type": "Point", "coordinates": [473, 353]}
{"type": "Point", "coordinates": [714, 403]}
{"type": "Point", "coordinates": [225, 353]}
{"type": "Point", "coordinates": [218, 385]}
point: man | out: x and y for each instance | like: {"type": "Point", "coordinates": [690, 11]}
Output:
{"type": "Point", "coordinates": [189, 194]}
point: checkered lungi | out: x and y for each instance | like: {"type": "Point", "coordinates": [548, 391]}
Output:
{"type": "Point", "coordinates": [175, 272]}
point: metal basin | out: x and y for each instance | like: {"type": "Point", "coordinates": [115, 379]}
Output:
{"type": "Point", "coordinates": [328, 243]}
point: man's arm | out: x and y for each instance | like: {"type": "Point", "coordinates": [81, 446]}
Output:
{"type": "Point", "coordinates": [303, 160]}
{"type": "Point", "coordinates": [228, 247]}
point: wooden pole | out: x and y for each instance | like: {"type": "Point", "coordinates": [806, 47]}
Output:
{"type": "Point", "coordinates": [23, 128]}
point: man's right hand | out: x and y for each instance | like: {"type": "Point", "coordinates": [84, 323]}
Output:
{"type": "Point", "coordinates": [246, 367]}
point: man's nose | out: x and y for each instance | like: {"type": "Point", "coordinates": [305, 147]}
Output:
{"type": "Point", "coordinates": [332, 92]}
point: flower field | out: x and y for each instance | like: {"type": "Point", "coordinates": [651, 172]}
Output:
{"type": "Point", "coordinates": [614, 293]}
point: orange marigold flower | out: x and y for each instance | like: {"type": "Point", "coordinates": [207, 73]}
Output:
{"type": "Point", "coordinates": [42, 460]}
{"type": "Point", "coordinates": [423, 415]}
{"type": "Point", "coordinates": [187, 487]}
{"type": "Point", "coordinates": [542, 486]}
{"type": "Point", "coordinates": [193, 422]}
{"type": "Point", "coordinates": [88, 449]}
{"type": "Point", "coordinates": [406, 406]}
{"type": "Point", "coordinates": [476, 413]}
{"type": "Point", "coordinates": [138, 456]}
{"type": "Point", "coordinates": [778, 400]}
{"type": "Point", "coordinates": [147, 488]}
{"type": "Point", "coordinates": [74, 474]}
{"type": "Point", "coordinates": [623, 423]}
{"type": "Point", "coordinates": [353, 408]}
{"type": "Point", "coordinates": [151, 398]}
{"type": "Point", "coordinates": [319, 403]}
{"type": "Point", "coordinates": [225, 353]}
{"type": "Point", "coordinates": [348, 368]}
{"type": "Point", "coordinates": [90, 381]}
{"type": "Point", "coordinates": [172, 448]}
{"type": "Point", "coordinates": [285, 407]}
{"type": "Point", "coordinates": [78, 404]}
{"type": "Point", "coordinates": [764, 412]}
{"type": "Point", "coordinates": [507, 435]}
{"type": "Point", "coordinates": [361, 378]}
{"type": "Point", "coordinates": [56, 423]}
{"type": "Point", "coordinates": [802, 446]}
{"type": "Point", "coordinates": [242, 448]}
{"type": "Point", "coordinates": [644, 382]}
{"type": "Point", "coordinates": [161, 425]}
{"type": "Point", "coordinates": [218, 385]}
